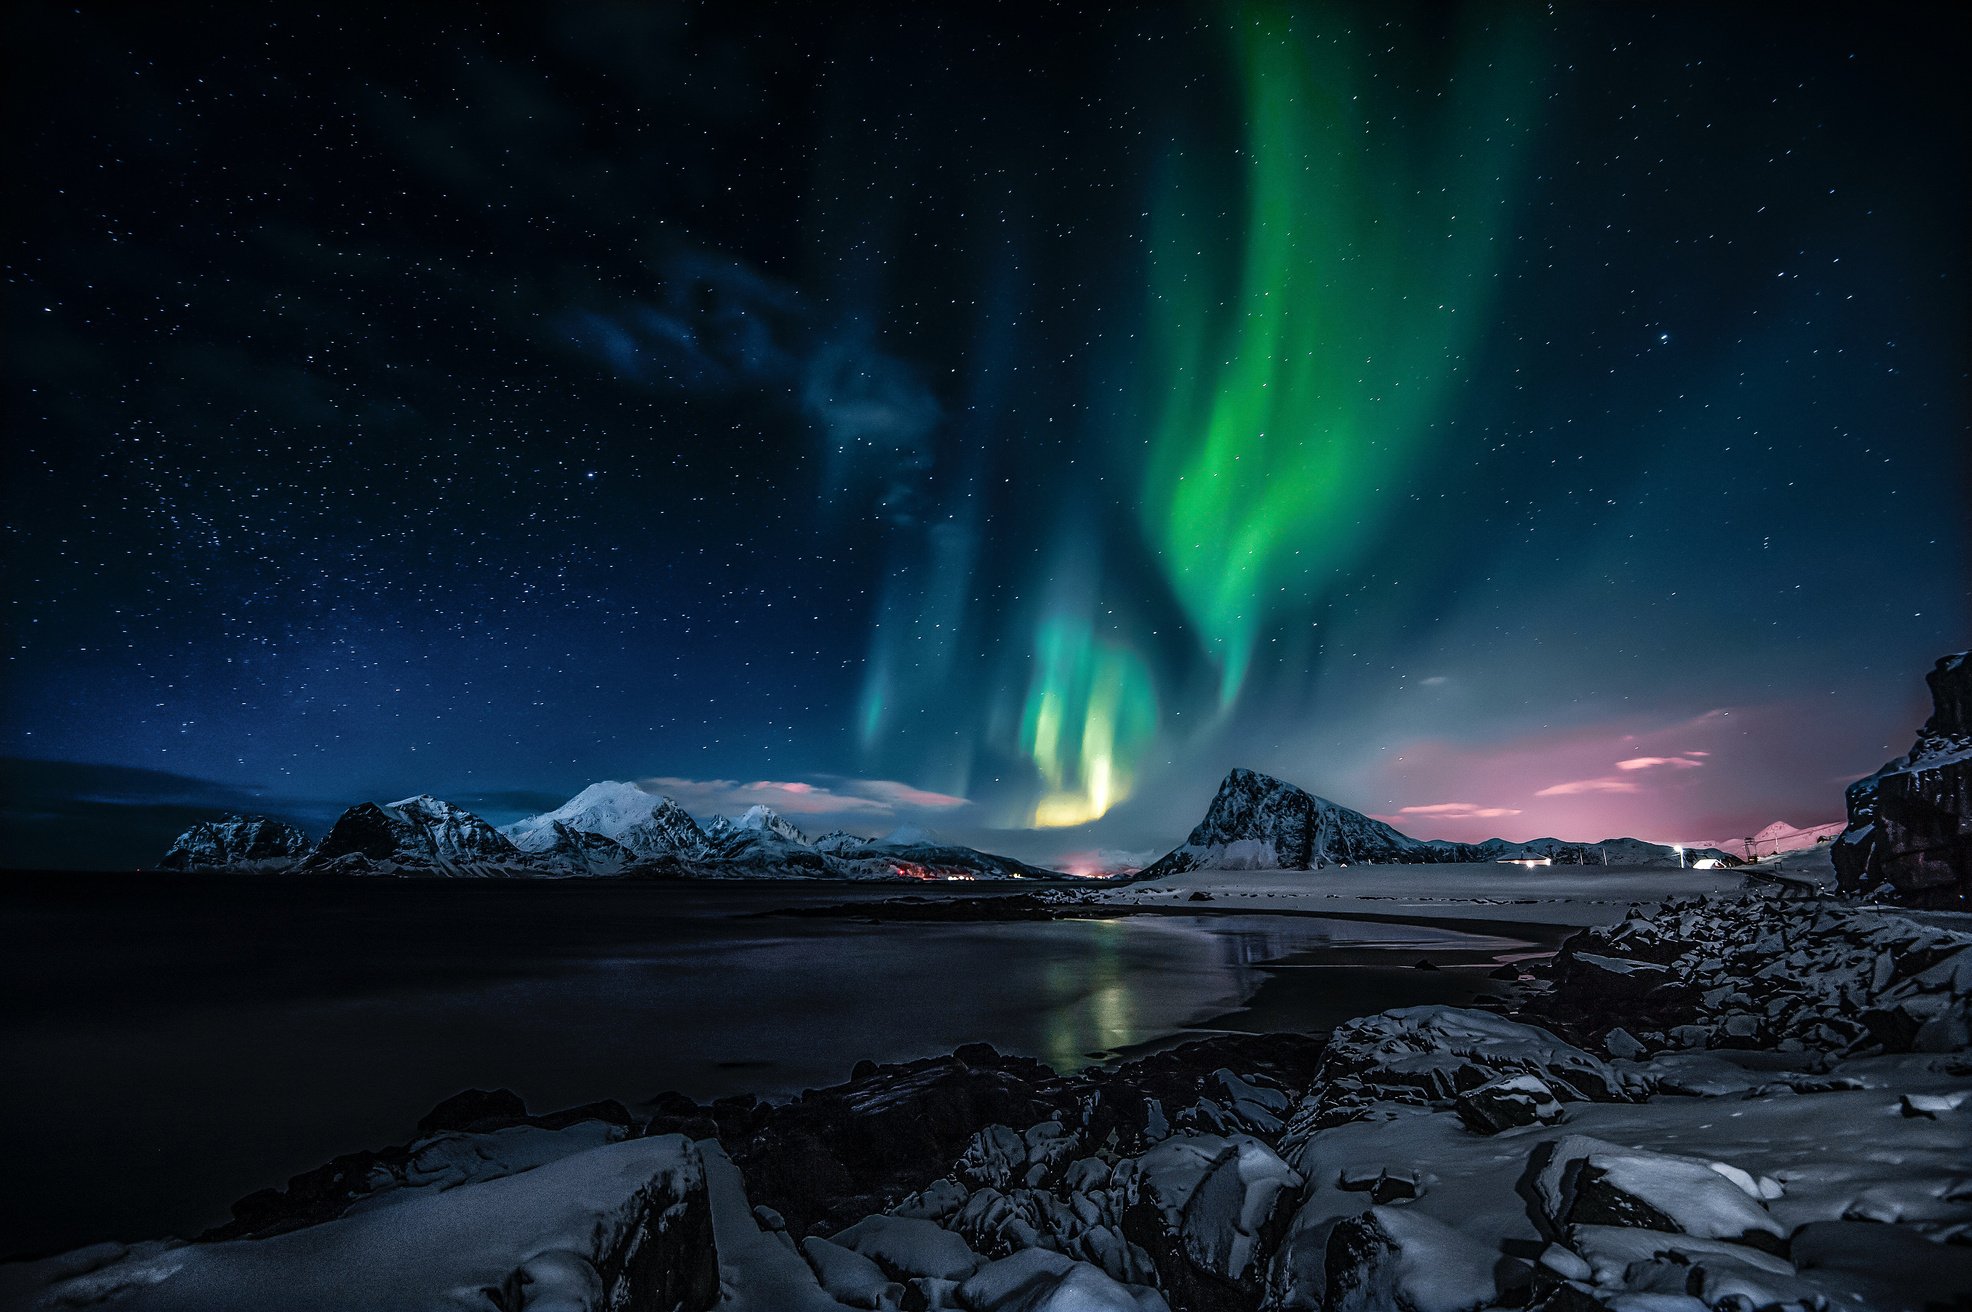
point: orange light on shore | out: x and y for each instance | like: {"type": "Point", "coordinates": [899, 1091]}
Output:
{"type": "Point", "coordinates": [911, 870]}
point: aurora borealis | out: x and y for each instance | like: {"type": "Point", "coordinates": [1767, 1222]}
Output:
{"type": "Point", "coordinates": [978, 422]}
{"type": "Point", "coordinates": [1301, 388]}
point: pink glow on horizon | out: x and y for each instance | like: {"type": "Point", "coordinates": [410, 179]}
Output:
{"type": "Point", "coordinates": [1622, 778]}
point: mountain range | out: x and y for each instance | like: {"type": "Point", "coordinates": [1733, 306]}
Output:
{"type": "Point", "coordinates": [609, 828]}
{"type": "Point", "coordinates": [618, 829]}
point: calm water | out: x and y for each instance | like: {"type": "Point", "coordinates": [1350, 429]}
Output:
{"type": "Point", "coordinates": [176, 1043]}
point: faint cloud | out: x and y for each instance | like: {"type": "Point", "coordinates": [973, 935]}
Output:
{"type": "Point", "coordinates": [77, 815]}
{"type": "Point", "coordinates": [1460, 811]}
{"type": "Point", "coordinates": [1434, 681]}
{"type": "Point", "coordinates": [1606, 784]}
{"type": "Point", "coordinates": [1684, 762]}
{"type": "Point", "coordinates": [901, 794]}
{"type": "Point", "coordinates": [847, 798]}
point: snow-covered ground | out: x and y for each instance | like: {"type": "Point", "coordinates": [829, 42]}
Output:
{"type": "Point", "coordinates": [1543, 895]}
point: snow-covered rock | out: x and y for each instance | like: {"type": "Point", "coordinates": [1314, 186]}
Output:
{"type": "Point", "coordinates": [759, 1269]}
{"type": "Point", "coordinates": [1910, 824]}
{"type": "Point", "coordinates": [1216, 1194]}
{"type": "Point", "coordinates": [908, 1247]}
{"type": "Point", "coordinates": [1586, 1181]}
{"type": "Point", "coordinates": [1508, 1102]}
{"type": "Point", "coordinates": [622, 1225]}
{"type": "Point", "coordinates": [1390, 1259]}
{"type": "Point", "coordinates": [237, 843]}
{"type": "Point", "coordinates": [1767, 972]}
{"type": "Point", "coordinates": [1431, 1055]}
{"type": "Point", "coordinates": [1038, 1280]}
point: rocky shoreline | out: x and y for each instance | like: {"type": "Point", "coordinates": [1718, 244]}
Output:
{"type": "Point", "coordinates": [1731, 1102]}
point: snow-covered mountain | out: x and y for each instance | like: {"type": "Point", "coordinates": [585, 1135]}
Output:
{"type": "Point", "coordinates": [419, 835]}
{"type": "Point", "coordinates": [1257, 822]}
{"type": "Point", "coordinates": [237, 843]}
{"type": "Point", "coordinates": [579, 852]}
{"type": "Point", "coordinates": [766, 820]}
{"type": "Point", "coordinates": [840, 840]}
{"type": "Point", "coordinates": [647, 824]}
{"type": "Point", "coordinates": [1776, 838]}
{"type": "Point", "coordinates": [760, 836]}
{"type": "Point", "coordinates": [609, 828]}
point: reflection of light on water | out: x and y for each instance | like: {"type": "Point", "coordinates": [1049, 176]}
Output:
{"type": "Point", "coordinates": [1093, 1008]}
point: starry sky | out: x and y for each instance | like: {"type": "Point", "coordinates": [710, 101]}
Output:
{"type": "Point", "coordinates": [1501, 420]}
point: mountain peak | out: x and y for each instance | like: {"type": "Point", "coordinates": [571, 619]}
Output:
{"type": "Point", "coordinates": [1258, 822]}
{"type": "Point", "coordinates": [764, 819]}
{"type": "Point", "coordinates": [415, 834]}
{"type": "Point", "coordinates": [627, 813]}
{"type": "Point", "coordinates": [237, 842]}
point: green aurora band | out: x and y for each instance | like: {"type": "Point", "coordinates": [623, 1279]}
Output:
{"type": "Point", "coordinates": [1306, 322]}
{"type": "Point", "coordinates": [1091, 710]}
{"type": "Point", "coordinates": [1292, 400]}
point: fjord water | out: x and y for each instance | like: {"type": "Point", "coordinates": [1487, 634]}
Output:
{"type": "Point", "coordinates": [179, 1041]}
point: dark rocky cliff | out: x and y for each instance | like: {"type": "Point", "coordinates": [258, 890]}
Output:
{"type": "Point", "coordinates": [1910, 824]}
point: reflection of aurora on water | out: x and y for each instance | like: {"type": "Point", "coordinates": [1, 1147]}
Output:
{"type": "Point", "coordinates": [1099, 1005]}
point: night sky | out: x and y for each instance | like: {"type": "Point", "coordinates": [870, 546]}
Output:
{"type": "Point", "coordinates": [1503, 421]}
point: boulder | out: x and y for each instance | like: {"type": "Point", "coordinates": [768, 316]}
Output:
{"type": "Point", "coordinates": [849, 1277]}
{"type": "Point", "coordinates": [909, 1246]}
{"type": "Point", "coordinates": [1508, 1102]}
{"type": "Point", "coordinates": [1206, 1208]}
{"type": "Point", "coordinates": [1037, 1280]}
{"type": "Point", "coordinates": [1390, 1259]}
{"type": "Point", "coordinates": [1587, 1181]}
